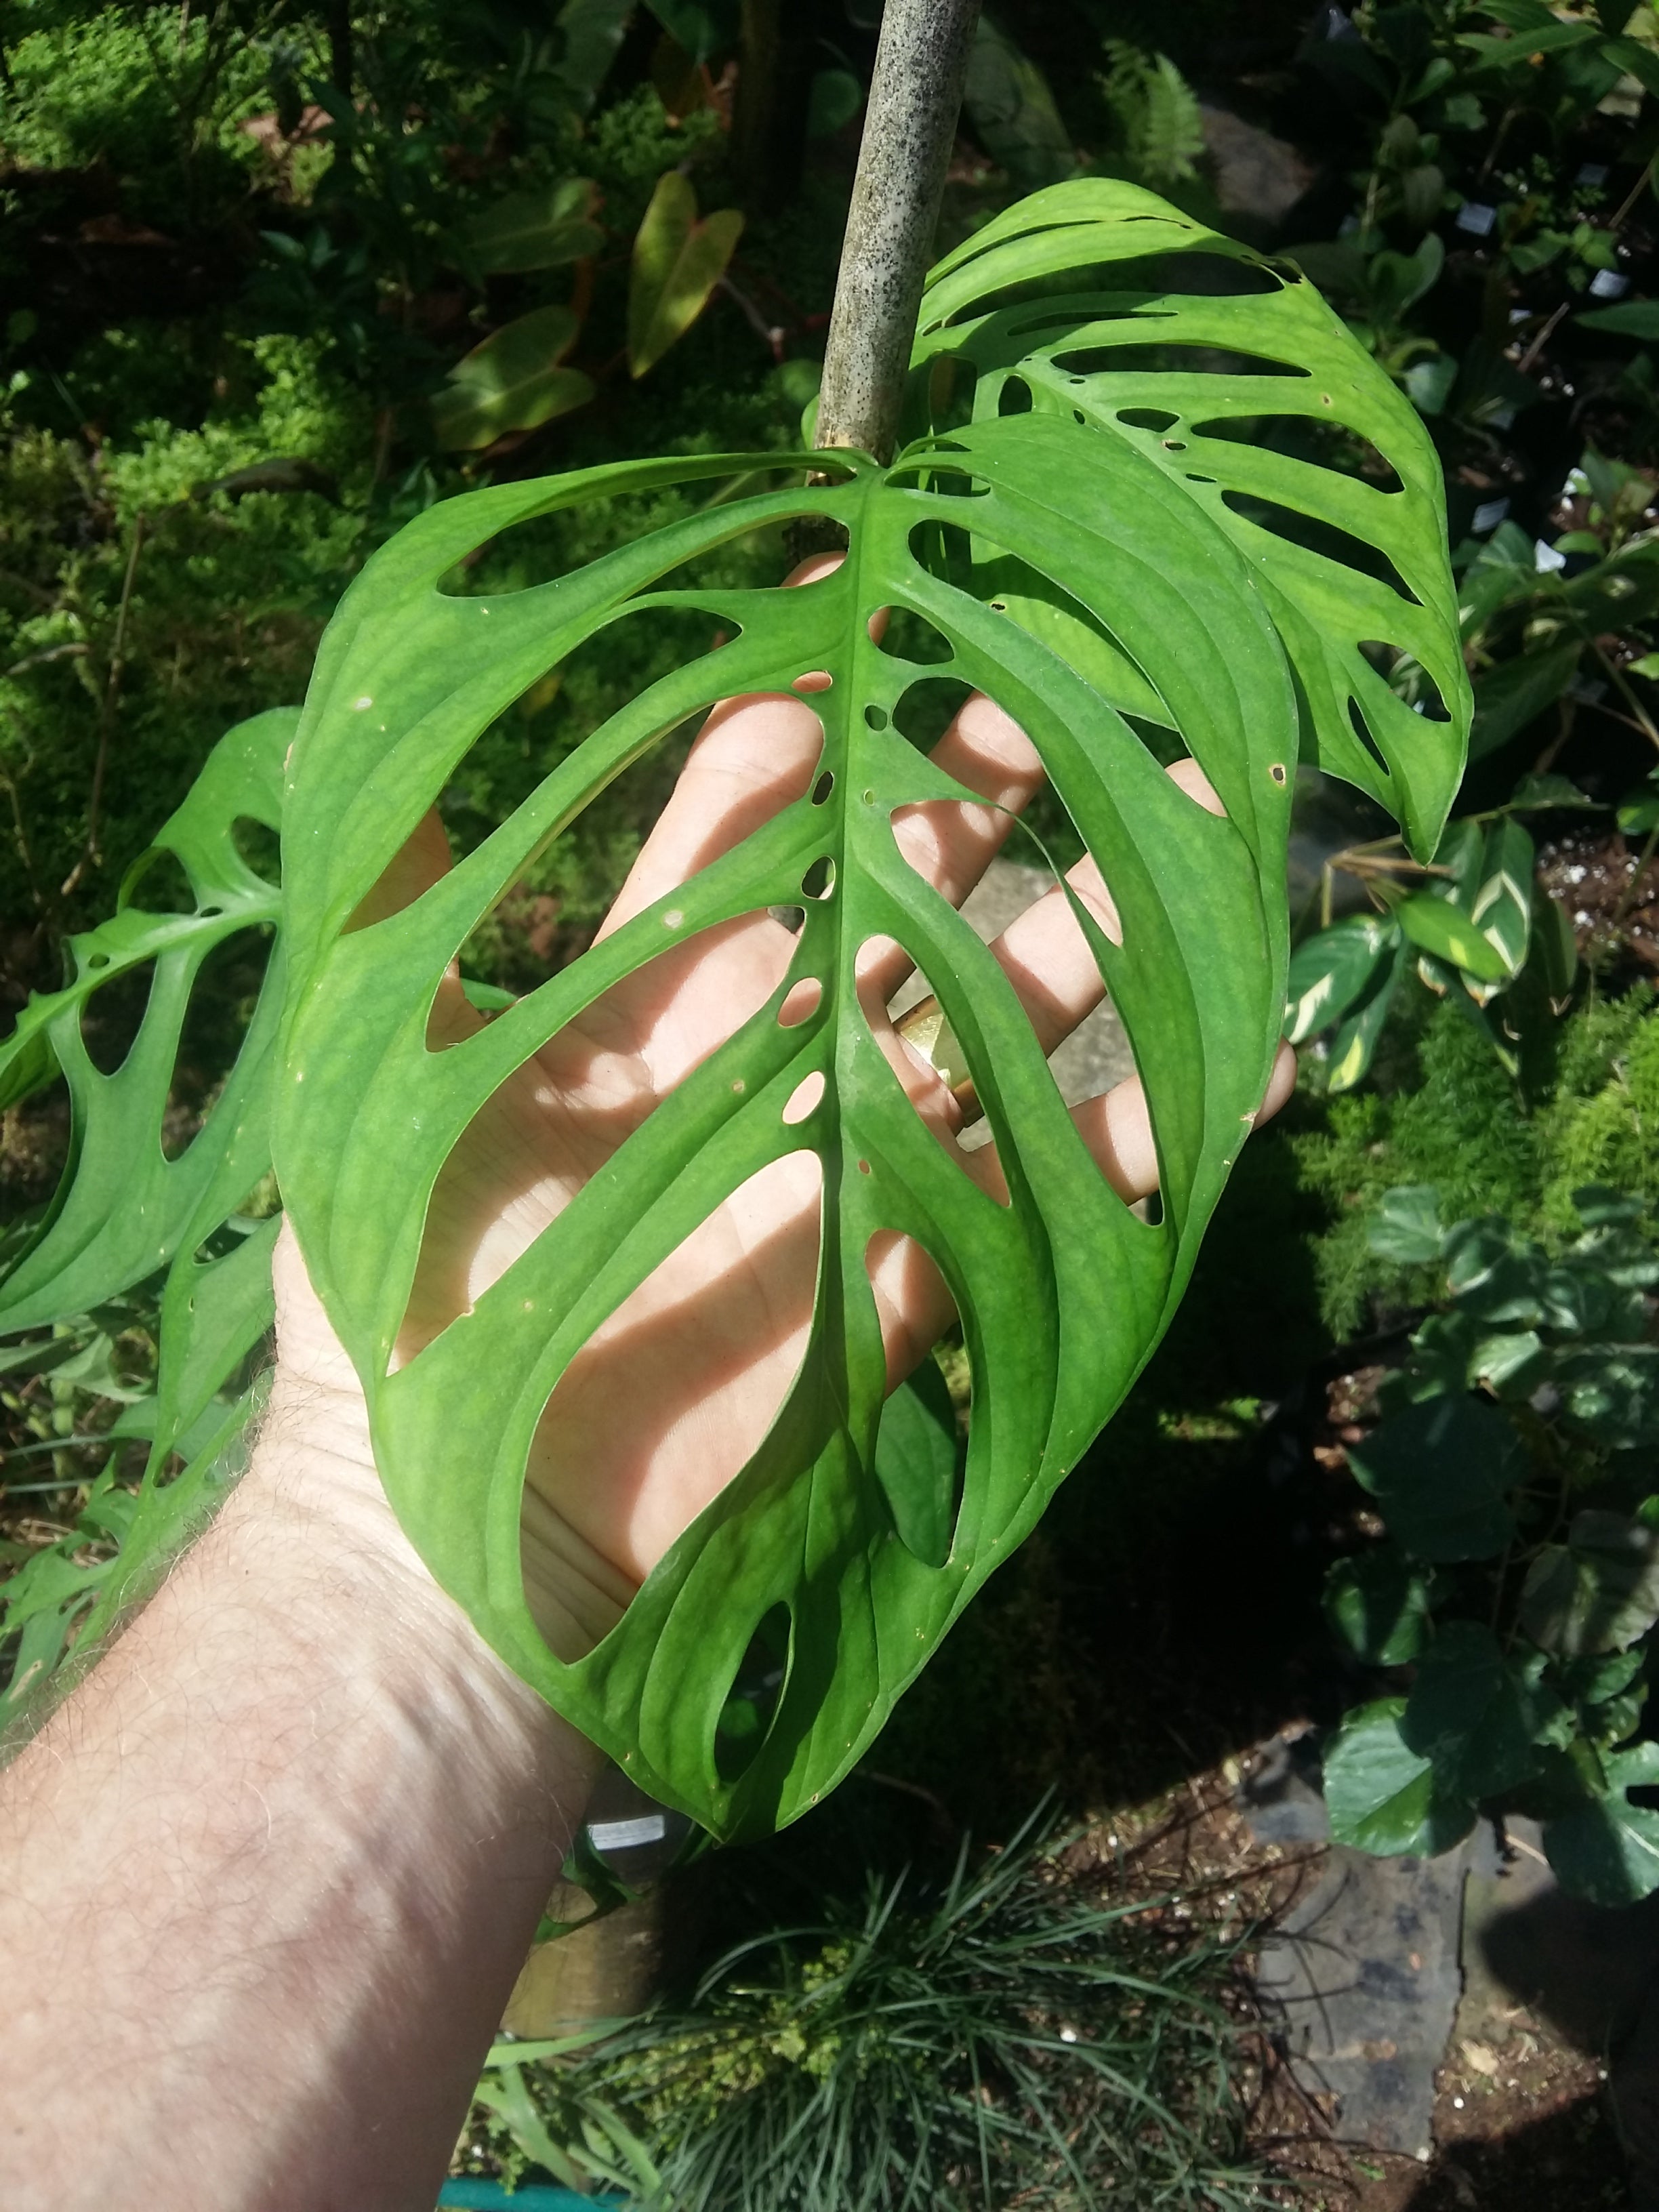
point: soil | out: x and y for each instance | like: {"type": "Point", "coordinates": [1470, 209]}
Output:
{"type": "Point", "coordinates": [1521, 2119]}
{"type": "Point", "coordinates": [1592, 873]}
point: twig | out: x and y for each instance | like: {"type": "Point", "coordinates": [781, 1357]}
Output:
{"type": "Point", "coordinates": [1542, 340]}
{"type": "Point", "coordinates": [1632, 195]}
{"type": "Point", "coordinates": [107, 716]}
{"type": "Point", "coordinates": [910, 128]}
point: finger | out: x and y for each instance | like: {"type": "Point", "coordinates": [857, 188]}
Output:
{"type": "Point", "coordinates": [752, 758]}
{"type": "Point", "coordinates": [951, 843]}
{"type": "Point", "coordinates": [1044, 951]}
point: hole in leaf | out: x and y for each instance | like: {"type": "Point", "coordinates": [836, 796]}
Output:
{"type": "Point", "coordinates": [223, 997]}
{"type": "Point", "coordinates": [804, 1098]}
{"type": "Point", "coordinates": [942, 482]}
{"type": "Point", "coordinates": [756, 1687]}
{"type": "Point", "coordinates": [722, 1324]}
{"type": "Point", "coordinates": [1170, 360]}
{"type": "Point", "coordinates": [921, 1045]}
{"type": "Point", "coordinates": [260, 846]}
{"type": "Point", "coordinates": [609, 1069]}
{"type": "Point", "coordinates": [160, 885]}
{"type": "Point", "coordinates": [1015, 397]}
{"type": "Point", "coordinates": [823, 786]}
{"type": "Point", "coordinates": [1147, 418]}
{"type": "Point", "coordinates": [112, 1015]}
{"type": "Point", "coordinates": [1071, 629]}
{"type": "Point", "coordinates": [1120, 285]}
{"type": "Point", "coordinates": [815, 679]}
{"type": "Point", "coordinates": [1325, 444]}
{"type": "Point", "coordinates": [951, 381]}
{"type": "Point", "coordinates": [1322, 538]}
{"type": "Point", "coordinates": [921, 1452]}
{"type": "Point", "coordinates": [876, 717]}
{"type": "Point", "coordinates": [927, 709]}
{"type": "Point", "coordinates": [944, 550]}
{"type": "Point", "coordinates": [910, 636]}
{"type": "Point", "coordinates": [819, 881]}
{"type": "Point", "coordinates": [802, 1002]}
{"type": "Point", "coordinates": [546, 546]}
{"type": "Point", "coordinates": [1362, 730]}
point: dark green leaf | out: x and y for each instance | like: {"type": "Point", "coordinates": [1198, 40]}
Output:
{"type": "Point", "coordinates": [918, 1458]}
{"type": "Point", "coordinates": [1597, 1592]}
{"type": "Point", "coordinates": [1631, 318]}
{"type": "Point", "coordinates": [1515, 692]}
{"type": "Point", "coordinates": [1540, 792]}
{"type": "Point", "coordinates": [1441, 1472]}
{"type": "Point", "coordinates": [1469, 1715]}
{"type": "Point", "coordinates": [703, 28]}
{"type": "Point", "coordinates": [1007, 101]}
{"type": "Point", "coordinates": [1378, 1604]}
{"type": "Point", "coordinates": [835, 98]}
{"type": "Point", "coordinates": [1406, 1227]}
{"type": "Point", "coordinates": [592, 32]}
{"type": "Point", "coordinates": [513, 381]}
{"type": "Point", "coordinates": [1382, 1796]}
{"type": "Point", "coordinates": [533, 230]}
{"type": "Point", "coordinates": [1607, 1851]}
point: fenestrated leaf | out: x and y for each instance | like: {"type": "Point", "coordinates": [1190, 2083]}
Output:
{"type": "Point", "coordinates": [123, 1208]}
{"type": "Point", "coordinates": [1383, 1797]}
{"type": "Point", "coordinates": [1329, 972]}
{"type": "Point", "coordinates": [678, 262]}
{"type": "Point", "coordinates": [1441, 1472]}
{"type": "Point", "coordinates": [533, 230]}
{"type": "Point", "coordinates": [1012, 302]}
{"type": "Point", "coordinates": [513, 381]}
{"type": "Point", "coordinates": [1061, 1292]}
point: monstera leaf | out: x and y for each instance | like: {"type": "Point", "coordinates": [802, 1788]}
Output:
{"type": "Point", "coordinates": [125, 1210]}
{"type": "Point", "coordinates": [1077, 567]}
{"type": "Point", "coordinates": [1096, 303]}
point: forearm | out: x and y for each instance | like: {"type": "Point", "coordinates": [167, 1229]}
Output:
{"type": "Point", "coordinates": [271, 1872]}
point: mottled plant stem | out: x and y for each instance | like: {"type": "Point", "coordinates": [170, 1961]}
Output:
{"type": "Point", "coordinates": [909, 127]}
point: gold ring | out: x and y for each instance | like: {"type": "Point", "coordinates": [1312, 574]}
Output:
{"type": "Point", "coordinates": [931, 1037]}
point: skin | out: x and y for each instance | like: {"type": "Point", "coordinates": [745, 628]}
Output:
{"type": "Point", "coordinates": [271, 1871]}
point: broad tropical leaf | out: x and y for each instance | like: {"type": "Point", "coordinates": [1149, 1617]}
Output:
{"type": "Point", "coordinates": [1097, 302]}
{"type": "Point", "coordinates": [678, 262]}
{"type": "Point", "coordinates": [513, 381]}
{"type": "Point", "coordinates": [1061, 575]}
{"type": "Point", "coordinates": [533, 230]}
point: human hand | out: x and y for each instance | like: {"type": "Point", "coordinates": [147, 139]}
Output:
{"type": "Point", "coordinates": [675, 1391]}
